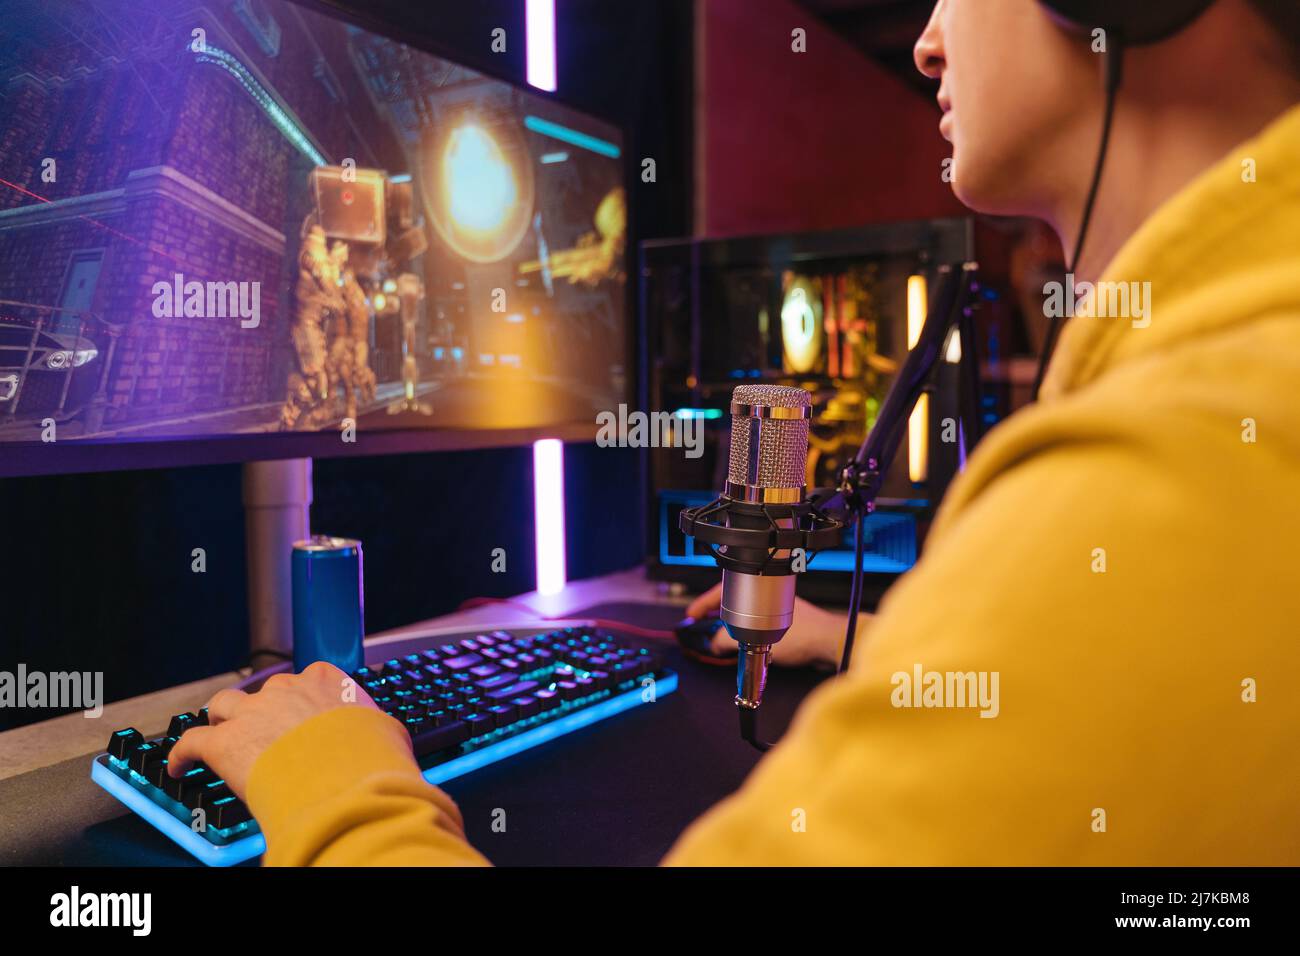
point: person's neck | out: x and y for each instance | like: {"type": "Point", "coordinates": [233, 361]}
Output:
{"type": "Point", "coordinates": [1156, 153]}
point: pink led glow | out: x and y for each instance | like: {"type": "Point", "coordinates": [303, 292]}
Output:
{"type": "Point", "coordinates": [548, 507]}
{"type": "Point", "coordinates": [540, 22]}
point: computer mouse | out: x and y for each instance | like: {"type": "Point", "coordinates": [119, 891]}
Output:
{"type": "Point", "coordinates": [695, 635]}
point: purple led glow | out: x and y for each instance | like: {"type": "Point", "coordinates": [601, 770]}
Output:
{"type": "Point", "coordinates": [540, 20]}
{"type": "Point", "coordinates": [548, 507]}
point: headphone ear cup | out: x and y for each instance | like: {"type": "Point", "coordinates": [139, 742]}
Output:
{"type": "Point", "coordinates": [1138, 22]}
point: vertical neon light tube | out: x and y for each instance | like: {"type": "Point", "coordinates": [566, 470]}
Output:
{"type": "Point", "coordinates": [918, 438]}
{"type": "Point", "coordinates": [548, 507]}
{"type": "Point", "coordinates": [540, 24]}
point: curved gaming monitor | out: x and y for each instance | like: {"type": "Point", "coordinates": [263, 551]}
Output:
{"type": "Point", "coordinates": [253, 230]}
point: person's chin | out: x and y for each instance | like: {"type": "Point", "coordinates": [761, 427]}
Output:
{"type": "Point", "coordinates": [983, 189]}
{"type": "Point", "coordinates": [966, 186]}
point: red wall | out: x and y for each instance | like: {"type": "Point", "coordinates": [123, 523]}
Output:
{"type": "Point", "coordinates": [794, 142]}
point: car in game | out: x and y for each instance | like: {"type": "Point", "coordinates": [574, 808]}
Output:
{"type": "Point", "coordinates": [42, 371]}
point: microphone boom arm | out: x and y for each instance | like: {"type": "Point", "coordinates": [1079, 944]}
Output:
{"type": "Point", "coordinates": [861, 478]}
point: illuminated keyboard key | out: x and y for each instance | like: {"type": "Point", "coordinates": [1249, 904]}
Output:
{"type": "Point", "coordinates": [547, 699]}
{"type": "Point", "coordinates": [124, 742]}
{"type": "Point", "coordinates": [513, 690]}
{"type": "Point", "coordinates": [527, 706]}
{"type": "Point", "coordinates": [227, 812]}
{"type": "Point", "coordinates": [143, 756]}
{"type": "Point", "coordinates": [450, 734]}
{"type": "Point", "coordinates": [464, 662]}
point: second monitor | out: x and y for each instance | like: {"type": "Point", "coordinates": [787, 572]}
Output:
{"type": "Point", "coordinates": [222, 223]}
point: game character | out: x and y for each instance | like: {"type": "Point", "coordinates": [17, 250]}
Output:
{"type": "Point", "coordinates": [348, 345]}
{"type": "Point", "coordinates": [317, 297]}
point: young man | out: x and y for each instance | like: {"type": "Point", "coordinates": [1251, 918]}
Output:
{"type": "Point", "coordinates": [1140, 696]}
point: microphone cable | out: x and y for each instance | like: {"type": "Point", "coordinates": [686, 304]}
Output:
{"type": "Point", "coordinates": [749, 716]}
{"type": "Point", "coordinates": [1114, 67]}
{"type": "Point", "coordinates": [855, 593]}
{"type": "Point", "coordinates": [749, 729]}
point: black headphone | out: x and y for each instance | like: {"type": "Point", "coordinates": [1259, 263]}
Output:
{"type": "Point", "coordinates": [1127, 23]}
{"type": "Point", "coordinates": [1138, 22]}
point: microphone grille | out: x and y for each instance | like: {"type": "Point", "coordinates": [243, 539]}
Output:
{"type": "Point", "coordinates": [771, 396]}
{"type": "Point", "coordinates": [769, 452]}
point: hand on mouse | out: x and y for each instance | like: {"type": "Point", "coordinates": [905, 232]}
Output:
{"type": "Point", "coordinates": [815, 638]}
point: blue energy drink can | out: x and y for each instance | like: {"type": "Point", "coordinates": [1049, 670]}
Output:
{"type": "Point", "coordinates": [328, 604]}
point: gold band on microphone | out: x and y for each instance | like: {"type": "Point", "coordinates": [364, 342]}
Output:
{"type": "Point", "coordinates": [753, 494]}
{"type": "Point", "coordinates": [767, 411]}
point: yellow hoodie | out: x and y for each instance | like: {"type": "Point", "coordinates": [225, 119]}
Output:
{"type": "Point", "coordinates": [1121, 556]}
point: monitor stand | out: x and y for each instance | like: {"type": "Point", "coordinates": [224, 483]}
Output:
{"type": "Point", "coordinates": [277, 512]}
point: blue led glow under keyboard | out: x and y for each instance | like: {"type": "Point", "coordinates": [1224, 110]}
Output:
{"type": "Point", "coordinates": [467, 699]}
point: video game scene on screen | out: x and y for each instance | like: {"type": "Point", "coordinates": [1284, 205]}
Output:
{"type": "Point", "coordinates": [250, 217]}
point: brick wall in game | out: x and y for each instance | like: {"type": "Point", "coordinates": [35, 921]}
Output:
{"type": "Point", "coordinates": [175, 365]}
{"type": "Point", "coordinates": [168, 165]}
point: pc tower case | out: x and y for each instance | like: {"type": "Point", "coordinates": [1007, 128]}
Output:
{"type": "Point", "coordinates": [831, 312]}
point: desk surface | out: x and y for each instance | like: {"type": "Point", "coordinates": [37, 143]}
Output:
{"type": "Point", "coordinates": [616, 793]}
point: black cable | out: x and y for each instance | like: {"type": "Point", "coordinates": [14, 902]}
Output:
{"type": "Point", "coordinates": [1114, 76]}
{"type": "Point", "coordinates": [855, 594]}
{"type": "Point", "coordinates": [749, 715]}
{"type": "Point", "coordinates": [749, 728]}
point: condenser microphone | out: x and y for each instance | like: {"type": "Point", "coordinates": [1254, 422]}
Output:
{"type": "Point", "coordinates": [756, 526]}
{"type": "Point", "coordinates": [765, 486]}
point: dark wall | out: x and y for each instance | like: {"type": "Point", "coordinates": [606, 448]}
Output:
{"type": "Point", "coordinates": [95, 575]}
{"type": "Point", "coordinates": [95, 569]}
{"type": "Point", "coordinates": [799, 142]}
{"type": "Point", "coordinates": [429, 523]}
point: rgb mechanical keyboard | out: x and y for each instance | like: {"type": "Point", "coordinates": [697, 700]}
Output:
{"type": "Point", "coordinates": [467, 699]}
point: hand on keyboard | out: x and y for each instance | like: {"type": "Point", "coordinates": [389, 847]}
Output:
{"type": "Point", "coordinates": [469, 701]}
{"type": "Point", "coordinates": [242, 726]}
